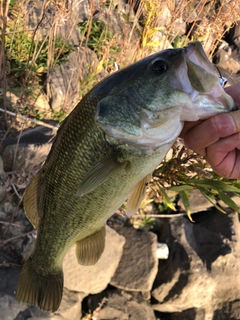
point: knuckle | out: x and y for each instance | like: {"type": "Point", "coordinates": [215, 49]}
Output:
{"type": "Point", "coordinates": [216, 124]}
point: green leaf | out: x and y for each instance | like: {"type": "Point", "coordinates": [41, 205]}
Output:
{"type": "Point", "coordinates": [167, 200]}
{"type": "Point", "coordinates": [229, 202]}
{"type": "Point", "coordinates": [217, 185]}
{"type": "Point", "coordinates": [210, 200]}
{"type": "Point", "coordinates": [186, 203]}
{"type": "Point", "coordinates": [237, 184]}
{"type": "Point", "coordinates": [181, 187]}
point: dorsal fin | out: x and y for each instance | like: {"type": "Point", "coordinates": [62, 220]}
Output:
{"type": "Point", "coordinates": [30, 202]}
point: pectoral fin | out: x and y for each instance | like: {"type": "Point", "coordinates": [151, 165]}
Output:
{"type": "Point", "coordinates": [98, 175]}
{"type": "Point", "coordinates": [137, 195]}
{"type": "Point", "coordinates": [30, 202]}
{"type": "Point", "coordinates": [90, 249]}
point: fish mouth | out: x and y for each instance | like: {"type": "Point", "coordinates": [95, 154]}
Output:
{"type": "Point", "coordinates": [205, 81]}
{"type": "Point", "coordinates": [188, 50]}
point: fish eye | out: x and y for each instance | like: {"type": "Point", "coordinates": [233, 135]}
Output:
{"type": "Point", "coordinates": [159, 66]}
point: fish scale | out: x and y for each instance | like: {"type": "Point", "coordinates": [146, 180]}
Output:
{"type": "Point", "coordinates": [104, 153]}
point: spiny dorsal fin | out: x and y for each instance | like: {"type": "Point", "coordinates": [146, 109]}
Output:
{"type": "Point", "coordinates": [30, 202]}
{"type": "Point", "coordinates": [98, 174]}
{"type": "Point", "coordinates": [137, 195]}
{"type": "Point", "coordinates": [90, 249]}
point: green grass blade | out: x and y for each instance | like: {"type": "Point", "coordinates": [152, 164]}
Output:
{"type": "Point", "coordinates": [211, 201]}
{"type": "Point", "coordinates": [167, 200]}
{"type": "Point", "coordinates": [186, 203]}
{"type": "Point", "coordinates": [228, 201]}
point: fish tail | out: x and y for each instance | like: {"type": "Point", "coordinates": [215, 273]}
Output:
{"type": "Point", "coordinates": [38, 289]}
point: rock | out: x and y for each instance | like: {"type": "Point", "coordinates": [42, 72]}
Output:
{"type": "Point", "coordinates": [63, 84]}
{"type": "Point", "coordinates": [202, 271]}
{"type": "Point", "coordinates": [138, 266]}
{"type": "Point", "coordinates": [233, 36]}
{"type": "Point", "coordinates": [36, 14]}
{"type": "Point", "coordinates": [229, 310]}
{"type": "Point", "coordinates": [189, 314]}
{"type": "Point", "coordinates": [81, 10]}
{"type": "Point", "coordinates": [94, 279]}
{"type": "Point", "coordinates": [122, 305]}
{"type": "Point", "coordinates": [9, 307]}
{"type": "Point", "coordinates": [12, 99]}
{"type": "Point", "coordinates": [41, 103]}
{"type": "Point", "coordinates": [42, 19]}
{"type": "Point", "coordinates": [122, 32]}
{"type": "Point", "coordinates": [224, 60]}
{"type": "Point", "coordinates": [30, 151]}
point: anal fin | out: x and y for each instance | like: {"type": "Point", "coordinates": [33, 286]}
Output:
{"type": "Point", "coordinates": [90, 249]}
{"type": "Point", "coordinates": [137, 195]}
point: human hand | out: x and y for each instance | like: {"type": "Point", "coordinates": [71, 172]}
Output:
{"type": "Point", "coordinates": [218, 138]}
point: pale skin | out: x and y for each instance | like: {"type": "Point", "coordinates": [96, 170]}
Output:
{"type": "Point", "coordinates": [218, 138]}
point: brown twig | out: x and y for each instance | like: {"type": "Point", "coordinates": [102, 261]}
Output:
{"type": "Point", "coordinates": [16, 237]}
{"type": "Point", "coordinates": [19, 116]}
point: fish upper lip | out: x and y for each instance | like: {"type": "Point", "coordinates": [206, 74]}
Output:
{"type": "Point", "coordinates": [188, 50]}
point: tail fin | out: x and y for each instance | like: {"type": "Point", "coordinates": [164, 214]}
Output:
{"type": "Point", "coordinates": [42, 290]}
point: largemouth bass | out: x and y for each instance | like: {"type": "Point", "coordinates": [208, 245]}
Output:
{"type": "Point", "coordinates": [104, 153]}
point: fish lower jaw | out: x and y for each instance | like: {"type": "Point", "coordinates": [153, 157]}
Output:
{"type": "Point", "coordinates": [150, 139]}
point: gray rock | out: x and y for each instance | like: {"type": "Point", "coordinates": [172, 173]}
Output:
{"type": "Point", "coordinates": [223, 58]}
{"type": "Point", "coordinates": [44, 19]}
{"type": "Point", "coordinates": [139, 263]}
{"type": "Point", "coordinates": [81, 10]}
{"type": "Point", "coordinates": [233, 36]}
{"type": "Point", "coordinates": [229, 310]}
{"type": "Point", "coordinates": [203, 269]}
{"type": "Point", "coordinates": [122, 32]}
{"type": "Point", "coordinates": [94, 279]}
{"type": "Point", "coordinates": [121, 305]}
{"type": "Point", "coordinates": [189, 314]}
{"type": "Point", "coordinates": [63, 84]}
{"type": "Point", "coordinates": [30, 151]}
{"type": "Point", "coordinates": [9, 307]}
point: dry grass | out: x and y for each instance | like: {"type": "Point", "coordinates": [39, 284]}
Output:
{"type": "Point", "coordinates": [208, 21]}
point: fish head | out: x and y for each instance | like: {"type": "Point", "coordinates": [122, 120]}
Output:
{"type": "Point", "coordinates": [147, 103]}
